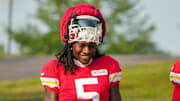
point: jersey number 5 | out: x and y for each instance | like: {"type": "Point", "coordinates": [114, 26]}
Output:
{"type": "Point", "coordinates": [80, 90]}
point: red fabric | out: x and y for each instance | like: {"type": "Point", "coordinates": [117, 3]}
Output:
{"type": "Point", "coordinates": [176, 93]}
{"type": "Point", "coordinates": [176, 69]}
{"type": "Point", "coordinates": [52, 73]}
{"type": "Point", "coordinates": [81, 9]}
{"type": "Point", "coordinates": [91, 80]}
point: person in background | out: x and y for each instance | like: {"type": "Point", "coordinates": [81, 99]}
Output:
{"type": "Point", "coordinates": [175, 79]}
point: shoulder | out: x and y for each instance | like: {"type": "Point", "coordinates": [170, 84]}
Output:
{"type": "Point", "coordinates": [50, 66]}
{"type": "Point", "coordinates": [176, 67]}
{"type": "Point", "coordinates": [49, 76]}
{"type": "Point", "coordinates": [52, 62]}
{"type": "Point", "coordinates": [107, 58]}
{"type": "Point", "coordinates": [114, 70]}
{"type": "Point", "coordinates": [177, 64]}
{"type": "Point", "coordinates": [175, 73]}
{"type": "Point", "coordinates": [109, 62]}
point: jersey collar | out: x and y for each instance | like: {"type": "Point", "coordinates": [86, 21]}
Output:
{"type": "Point", "coordinates": [78, 63]}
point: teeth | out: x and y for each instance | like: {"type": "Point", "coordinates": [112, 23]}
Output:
{"type": "Point", "coordinates": [86, 56]}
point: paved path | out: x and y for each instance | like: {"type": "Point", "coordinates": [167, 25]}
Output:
{"type": "Point", "coordinates": [18, 68]}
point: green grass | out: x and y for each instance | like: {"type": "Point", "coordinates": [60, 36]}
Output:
{"type": "Point", "coordinates": [145, 82]}
{"type": "Point", "coordinates": [21, 90]}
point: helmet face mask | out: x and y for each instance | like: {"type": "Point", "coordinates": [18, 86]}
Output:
{"type": "Point", "coordinates": [85, 28]}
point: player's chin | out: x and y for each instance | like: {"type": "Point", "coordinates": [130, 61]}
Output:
{"type": "Point", "coordinates": [85, 59]}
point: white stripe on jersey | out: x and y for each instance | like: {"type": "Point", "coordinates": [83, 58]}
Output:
{"type": "Point", "coordinates": [175, 77]}
{"type": "Point", "coordinates": [115, 77]}
{"type": "Point", "coordinates": [50, 82]}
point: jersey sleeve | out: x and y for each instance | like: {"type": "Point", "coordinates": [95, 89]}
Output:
{"type": "Point", "coordinates": [49, 76]}
{"type": "Point", "coordinates": [175, 73]}
{"type": "Point", "coordinates": [115, 72]}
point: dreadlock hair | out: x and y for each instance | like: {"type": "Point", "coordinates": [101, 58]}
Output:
{"type": "Point", "coordinates": [65, 56]}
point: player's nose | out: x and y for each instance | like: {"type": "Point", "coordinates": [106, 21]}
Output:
{"type": "Point", "coordinates": [86, 50]}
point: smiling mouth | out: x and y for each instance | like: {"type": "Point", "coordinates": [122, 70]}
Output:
{"type": "Point", "coordinates": [86, 56]}
{"type": "Point", "coordinates": [85, 59]}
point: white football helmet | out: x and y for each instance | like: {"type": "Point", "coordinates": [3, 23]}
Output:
{"type": "Point", "coordinates": [85, 28]}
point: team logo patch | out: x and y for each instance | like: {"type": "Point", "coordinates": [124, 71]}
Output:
{"type": "Point", "coordinates": [99, 72]}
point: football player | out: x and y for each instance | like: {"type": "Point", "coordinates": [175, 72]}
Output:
{"type": "Point", "coordinates": [80, 72]}
{"type": "Point", "coordinates": [175, 79]}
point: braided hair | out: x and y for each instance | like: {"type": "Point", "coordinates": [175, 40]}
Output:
{"type": "Point", "coordinates": [65, 56]}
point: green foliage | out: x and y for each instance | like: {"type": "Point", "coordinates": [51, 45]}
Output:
{"type": "Point", "coordinates": [33, 42]}
{"type": "Point", "coordinates": [127, 33]}
{"type": "Point", "coordinates": [2, 52]}
{"type": "Point", "coordinates": [145, 82]}
{"type": "Point", "coordinates": [1, 49]}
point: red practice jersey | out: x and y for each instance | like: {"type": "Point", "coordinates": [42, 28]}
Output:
{"type": "Point", "coordinates": [89, 83]}
{"type": "Point", "coordinates": [175, 79]}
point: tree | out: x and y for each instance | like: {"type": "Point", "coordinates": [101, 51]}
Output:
{"type": "Point", "coordinates": [1, 49]}
{"type": "Point", "coordinates": [125, 34]}
{"type": "Point", "coordinates": [128, 32]}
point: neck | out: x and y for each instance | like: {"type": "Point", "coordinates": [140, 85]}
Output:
{"type": "Point", "coordinates": [78, 63]}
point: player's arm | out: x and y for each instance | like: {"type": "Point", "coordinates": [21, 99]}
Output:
{"type": "Point", "coordinates": [115, 93]}
{"type": "Point", "coordinates": [50, 96]}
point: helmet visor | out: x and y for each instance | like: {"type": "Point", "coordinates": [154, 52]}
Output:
{"type": "Point", "coordinates": [87, 23]}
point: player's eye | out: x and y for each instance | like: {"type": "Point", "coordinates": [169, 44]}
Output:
{"type": "Point", "coordinates": [92, 46]}
{"type": "Point", "coordinates": [82, 45]}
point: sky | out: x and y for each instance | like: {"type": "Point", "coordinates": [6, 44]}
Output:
{"type": "Point", "coordinates": [163, 15]}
